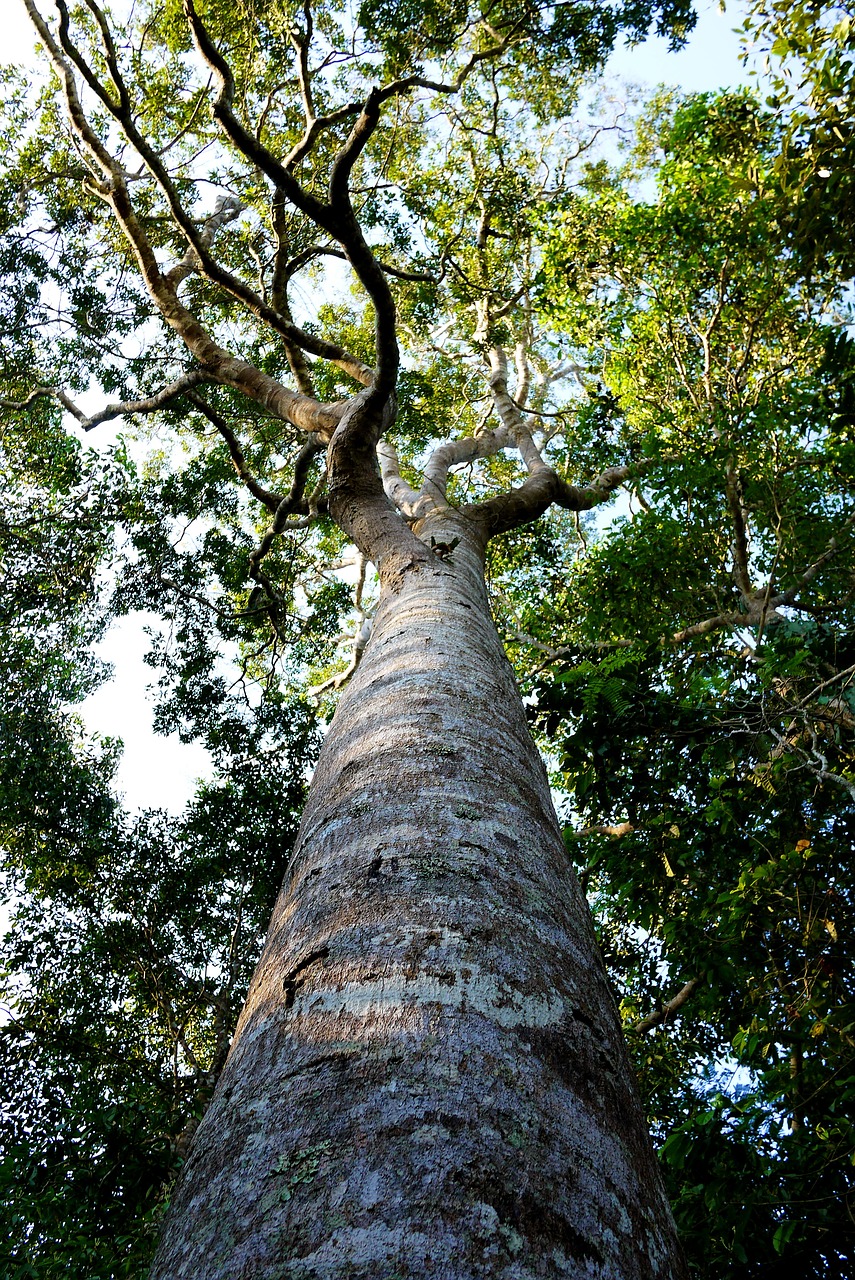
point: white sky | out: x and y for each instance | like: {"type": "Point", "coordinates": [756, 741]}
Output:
{"type": "Point", "coordinates": [160, 772]}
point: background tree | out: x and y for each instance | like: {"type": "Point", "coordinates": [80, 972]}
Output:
{"type": "Point", "coordinates": [710, 759]}
{"type": "Point", "coordinates": [132, 938]}
{"type": "Point", "coordinates": [502, 1004]}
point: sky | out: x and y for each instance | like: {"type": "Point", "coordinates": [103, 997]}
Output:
{"type": "Point", "coordinates": [160, 771]}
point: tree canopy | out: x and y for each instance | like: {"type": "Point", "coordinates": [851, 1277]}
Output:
{"type": "Point", "coordinates": [223, 226]}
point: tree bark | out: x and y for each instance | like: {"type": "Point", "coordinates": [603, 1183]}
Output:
{"type": "Point", "coordinates": [428, 1078]}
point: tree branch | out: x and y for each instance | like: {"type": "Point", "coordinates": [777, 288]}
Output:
{"type": "Point", "coordinates": [200, 257]}
{"type": "Point", "coordinates": [272, 501]}
{"type": "Point", "coordinates": [665, 1011]}
{"type": "Point", "coordinates": [826, 684]}
{"type": "Point", "coordinates": [222, 367]}
{"type": "Point", "coordinates": [741, 574]}
{"type": "Point", "coordinates": [509, 414]}
{"type": "Point", "coordinates": [336, 216]}
{"type": "Point", "coordinates": [194, 378]}
{"type": "Point", "coordinates": [279, 174]}
{"type": "Point", "coordinates": [454, 452]}
{"type": "Point", "coordinates": [359, 641]}
{"type": "Point", "coordinates": [544, 487]}
{"type": "Point", "coordinates": [414, 504]}
{"type": "Point", "coordinates": [282, 272]}
{"type": "Point", "coordinates": [285, 506]}
{"type": "Point", "coordinates": [53, 393]}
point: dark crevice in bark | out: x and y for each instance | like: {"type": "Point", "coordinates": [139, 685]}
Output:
{"type": "Point", "coordinates": [292, 981]}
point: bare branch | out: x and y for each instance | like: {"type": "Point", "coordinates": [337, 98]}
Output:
{"type": "Point", "coordinates": [706, 334]}
{"type": "Point", "coordinates": [407, 83]}
{"type": "Point", "coordinates": [415, 505]}
{"type": "Point", "coordinates": [282, 272]}
{"type": "Point", "coordinates": [226, 209]}
{"type": "Point", "coordinates": [52, 393]}
{"type": "Point", "coordinates": [398, 272]}
{"type": "Point", "coordinates": [665, 1011]}
{"type": "Point", "coordinates": [301, 47]}
{"type": "Point", "coordinates": [313, 130]}
{"type": "Point", "coordinates": [509, 414]}
{"type": "Point", "coordinates": [454, 452]}
{"type": "Point", "coordinates": [572, 650]}
{"type": "Point", "coordinates": [195, 378]}
{"type": "Point", "coordinates": [762, 606]}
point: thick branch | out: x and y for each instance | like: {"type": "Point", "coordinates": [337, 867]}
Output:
{"type": "Point", "coordinates": [357, 500]}
{"type": "Point", "coordinates": [280, 175]}
{"type": "Point", "coordinates": [361, 257]}
{"type": "Point", "coordinates": [543, 488]}
{"type": "Point", "coordinates": [413, 504]}
{"type": "Point", "coordinates": [453, 453]}
{"type": "Point", "coordinates": [509, 414]}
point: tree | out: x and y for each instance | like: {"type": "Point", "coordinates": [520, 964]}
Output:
{"type": "Point", "coordinates": [456, 968]}
{"type": "Point", "coordinates": [430, 1008]}
{"type": "Point", "coordinates": [810, 55]}
{"type": "Point", "coordinates": [711, 761]}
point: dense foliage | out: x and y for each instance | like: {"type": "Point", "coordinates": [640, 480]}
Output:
{"type": "Point", "coordinates": [809, 50]}
{"type": "Point", "coordinates": [132, 937]}
{"type": "Point", "coordinates": [689, 652]}
{"type": "Point", "coordinates": [710, 759]}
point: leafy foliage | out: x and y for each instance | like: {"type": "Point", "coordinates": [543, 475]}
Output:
{"type": "Point", "coordinates": [703, 734]}
{"type": "Point", "coordinates": [810, 56]}
{"type": "Point", "coordinates": [132, 937]}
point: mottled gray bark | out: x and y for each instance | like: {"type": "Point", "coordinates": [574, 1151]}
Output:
{"type": "Point", "coordinates": [428, 1079]}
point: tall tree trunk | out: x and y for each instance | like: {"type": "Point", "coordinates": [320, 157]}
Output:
{"type": "Point", "coordinates": [428, 1079]}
